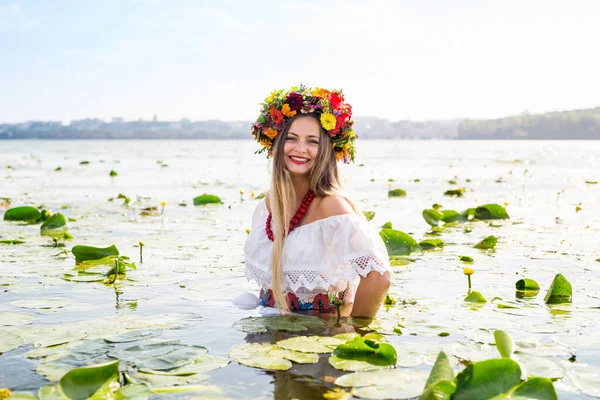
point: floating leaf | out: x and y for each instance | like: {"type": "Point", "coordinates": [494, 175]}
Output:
{"type": "Point", "coordinates": [398, 243]}
{"type": "Point", "coordinates": [352, 365]}
{"type": "Point", "coordinates": [527, 284]}
{"type": "Point", "coordinates": [55, 225]}
{"type": "Point", "coordinates": [487, 243]}
{"type": "Point", "coordinates": [486, 379]}
{"type": "Point", "coordinates": [491, 211]}
{"type": "Point", "coordinates": [113, 173]}
{"type": "Point", "coordinates": [432, 217]}
{"type": "Point", "coordinates": [86, 253]}
{"type": "Point", "coordinates": [81, 383]}
{"type": "Point", "coordinates": [207, 199]}
{"type": "Point", "coordinates": [451, 216]}
{"type": "Point", "coordinates": [310, 344]}
{"type": "Point", "coordinates": [396, 193]}
{"type": "Point", "coordinates": [257, 355]}
{"type": "Point", "coordinates": [11, 241]}
{"type": "Point", "coordinates": [369, 215]}
{"type": "Point", "coordinates": [532, 389]}
{"type": "Point", "coordinates": [398, 383]}
{"type": "Point", "coordinates": [290, 323]}
{"type": "Point", "coordinates": [440, 384]}
{"type": "Point", "coordinates": [9, 341]}
{"type": "Point", "coordinates": [591, 182]}
{"type": "Point", "coordinates": [387, 225]}
{"type": "Point", "coordinates": [467, 259]}
{"type": "Point", "coordinates": [162, 356]}
{"type": "Point", "coordinates": [455, 192]}
{"type": "Point", "coordinates": [560, 291]}
{"type": "Point", "coordinates": [533, 365]}
{"type": "Point", "coordinates": [504, 343]}
{"type": "Point", "coordinates": [135, 391]}
{"type": "Point", "coordinates": [475, 297]}
{"type": "Point", "coordinates": [25, 213]}
{"type": "Point", "coordinates": [430, 244]}
{"type": "Point", "coordinates": [381, 354]}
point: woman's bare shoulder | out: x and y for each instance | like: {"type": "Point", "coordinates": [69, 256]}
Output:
{"type": "Point", "coordinates": [334, 205]}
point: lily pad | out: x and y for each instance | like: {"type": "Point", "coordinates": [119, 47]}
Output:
{"type": "Point", "coordinates": [451, 216]}
{"type": "Point", "coordinates": [431, 244]}
{"type": "Point", "coordinates": [504, 343]}
{"type": "Point", "coordinates": [369, 215]}
{"type": "Point", "coordinates": [15, 318]}
{"type": "Point", "coordinates": [161, 356]}
{"type": "Point", "coordinates": [381, 354]}
{"type": "Point", "coordinates": [290, 323]}
{"type": "Point", "coordinates": [440, 384]}
{"type": "Point", "coordinates": [398, 383]}
{"type": "Point", "coordinates": [433, 217]}
{"type": "Point", "coordinates": [257, 355]}
{"type": "Point", "coordinates": [396, 193]}
{"type": "Point", "coordinates": [135, 391]}
{"type": "Point", "coordinates": [527, 284]}
{"type": "Point", "coordinates": [475, 297]}
{"type": "Point", "coordinates": [81, 383]}
{"type": "Point", "coordinates": [9, 341]}
{"type": "Point", "coordinates": [11, 241]}
{"type": "Point", "coordinates": [486, 379]}
{"type": "Point", "coordinates": [55, 226]}
{"type": "Point", "coordinates": [352, 365]}
{"type": "Point", "coordinates": [388, 225]}
{"type": "Point", "coordinates": [467, 259]}
{"type": "Point", "coordinates": [207, 199]}
{"type": "Point", "coordinates": [532, 389]}
{"type": "Point", "coordinates": [560, 291]}
{"type": "Point", "coordinates": [533, 365]}
{"type": "Point", "coordinates": [491, 211]}
{"type": "Point", "coordinates": [25, 213]}
{"type": "Point", "coordinates": [455, 192]}
{"type": "Point", "coordinates": [86, 253]}
{"type": "Point", "coordinates": [398, 243]}
{"type": "Point", "coordinates": [310, 344]}
{"type": "Point", "coordinates": [487, 243]}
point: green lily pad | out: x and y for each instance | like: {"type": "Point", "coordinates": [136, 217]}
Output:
{"type": "Point", "coordinates": [527, 284]}
{"type": "Point", "coordinates": [135, 391]}
{"type": "Point", "coordinates": [440, 384]}
{"type": "Point", "coordinates": [491, 211]}
{"type": "Point", "coordinates": [161, 356]}
{"type": "Point", "coordinates": [396, 193]}
{"type": "Point", "coordinates": [388, 225]}
{"type": "Point", "coordinates": [398, 383]}
{"type": "Point", "coordinates": [396, 261]}
{"type": "Point", "coordinates": [455, 192]}
{"type": "Point", "coordinates": [560, 291]}
{"type": "Point", "coordinates": [207, 199]}
{"type": "Point", "coordinates": [23, 396]}
{"type": "Point", "coordinates": [432, 217]}
{"type": "Point", "coordinates": [431, 244]}
{"type": "Point", "coordinates": [487, 243]}
{"type": "Point", "coordinates": [290, 323]}
{"type": "Point", "coordinates": [55, 226]}
{"type": "Point", "coordinates": [15, 318]}
{"type": "Point", "coordinates": [451, 216]}
{"type": "Point", "coordinates": [53, 371]}
{"type": "Point", "coordinates": [11, 241]}
{"type": "Point", "coordinates": [295, 356]}
{"type": "Point", "coordinates": [204, 363]}
{"type": "Point", "coordinates": [310, 344]}
{"type": "Point", "coordinates": [398, 243]}
{"type": "Point", "coordinates": [87, 253]}
{"type": "Point", "coordinates": [352, 365]}
{"type": "Point", "coordinates": [369, 215]}
{"type": "Point", "coordinates": [50, 305]}
{"type": "Point", "coordinates": [475, 297]}
{"type": "Point", "coordinates": [25, 213]}
{"type": "Point", "coordinates": [113, 173]}
{"type": "Point", "coordinates": [532, 389]}
{"type": "Point", "coordinates": [486, 379]}
{"type": "Point", "coordinates": [381, 354]}
{"type": "Point", "coordinates": [257, 355]}
{"type": "Point", "coordinates": [82, 383]}
{"type": "Point", "coordinates": [9, 341]}
{"type": "Point", "coordinates": [467, 259]}
{"type": "Point", "coordinates": [504, 343]}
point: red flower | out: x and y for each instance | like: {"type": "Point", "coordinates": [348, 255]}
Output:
{"type": "Point", "coordinates": [321, 302]}
{"type": "Point", "coordinates": [269, 298]}
{"type": "Point", "coordinates": [336, 100]}
{"type": "Point", "coordinates": [341, 120]}
{"type": "Point", "coordinates": [295, 101]}
{"type": "Point", "coordinates": [292, 301]}
{"type": "Point", "coordinates": [276, 115]}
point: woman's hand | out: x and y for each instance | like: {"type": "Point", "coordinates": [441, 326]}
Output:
{"type": "Point", "coordinates": [371, 293]}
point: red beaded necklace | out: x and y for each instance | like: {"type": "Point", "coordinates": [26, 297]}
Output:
{"type": "Point", "coordinates": [306, 200]}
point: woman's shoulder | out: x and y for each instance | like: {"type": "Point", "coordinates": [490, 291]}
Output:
{"type": "Point", "coordinates": [332, 205]}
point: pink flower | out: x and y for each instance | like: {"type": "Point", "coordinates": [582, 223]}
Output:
{"type": "Point", "coordinates": [321, 302]}
{"type": "Point", "coordinates": [292, 301]}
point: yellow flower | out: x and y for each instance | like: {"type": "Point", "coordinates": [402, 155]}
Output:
{"type": "Point", "coordinates": [5, 393]}
{"type": "Point", "coordinates": [252, 194]}
{"type": "Point", "coordinates": [505, 203]}
{"type": "Point", "coordinates": [163, 203]}
{"type": "Point", "coordinates": [271, 133]}
{"type": "Point", "coordinates": [286, 111]}
{"type": "Point", "coordinates": [265, 143]}
{"type": "Point", "coordinates": [247, 230]}
{"type": "Point", "coordinates": [241, 191]}
{"type": "Point", "coordinates": [328, 121]}
{"type": "Point", "coordinates": [272, 96]}
{"type": "Point", "coordinates": [141, 244]}
{"type": "Point", "coordinates": [320, 92]}
{"type": "Point", "coordinates": [468, 271]}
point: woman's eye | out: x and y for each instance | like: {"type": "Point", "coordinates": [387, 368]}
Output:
{"type": "Point", "coordinates": [314, 142]}
{"type": "Point", "coordinates": [289, 139]}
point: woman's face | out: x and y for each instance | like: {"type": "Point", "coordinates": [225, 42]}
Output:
{"type": "Point", "coordinates": [302, 145]}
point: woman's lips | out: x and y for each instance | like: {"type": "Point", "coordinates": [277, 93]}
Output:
{"type": "Point", "coordinates": [298, 160]}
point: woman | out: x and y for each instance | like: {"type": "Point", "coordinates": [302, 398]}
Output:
{"type": "Point", "coordinates": [309, 244]}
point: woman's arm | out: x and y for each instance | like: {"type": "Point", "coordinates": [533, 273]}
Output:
{"type": "Point", "coordinates": [372, 288]}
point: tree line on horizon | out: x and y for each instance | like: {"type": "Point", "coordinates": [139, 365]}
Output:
{"type": "Point", "coordinates": [576, 124]}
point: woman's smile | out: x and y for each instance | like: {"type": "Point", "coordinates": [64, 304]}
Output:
{"type": "Point", "coordinates": [299, 160]}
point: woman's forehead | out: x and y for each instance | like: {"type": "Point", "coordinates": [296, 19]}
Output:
{"type": "Point", "coordinates": [306, 126]}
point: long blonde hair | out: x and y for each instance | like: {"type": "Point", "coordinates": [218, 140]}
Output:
{"type": "Point", "coordinates": [324, 181]}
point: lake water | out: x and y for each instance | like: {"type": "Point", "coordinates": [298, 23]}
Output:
{"type": "Point", "coordinates": [193, 255]}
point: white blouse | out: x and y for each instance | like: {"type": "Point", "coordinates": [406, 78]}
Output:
{"type": "Point", "coordinates": [326, 255]}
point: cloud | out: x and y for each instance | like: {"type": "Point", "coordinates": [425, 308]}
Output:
{"type": "Point", "coordinates": [12, 17]}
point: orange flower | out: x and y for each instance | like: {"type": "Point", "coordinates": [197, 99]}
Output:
{"type": "Point", "coordinates": [286, 111]}
{"type": "Point", "coordinates": [276, 115]}
{"type": "Point", "coordinates": [271, 133]}
{"type": "Point", "coordinates": [339, 153]}
{"type": "Point", "coordinates": [265, 143]}
{"type": "Point", "coordinates": [320, 92]}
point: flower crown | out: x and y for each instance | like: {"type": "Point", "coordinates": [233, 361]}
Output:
{"type": "Point", "coordinates": [327, 106]}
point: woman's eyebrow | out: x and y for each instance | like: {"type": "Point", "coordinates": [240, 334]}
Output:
{"type": "Point", "coordinates": [310, 136]}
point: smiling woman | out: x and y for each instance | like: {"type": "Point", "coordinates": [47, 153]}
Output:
{"type": "Point", "coordinates": [310, 247]}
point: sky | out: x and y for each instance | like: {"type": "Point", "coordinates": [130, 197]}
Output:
{"type": "Point", "coordinates": [430, 59]}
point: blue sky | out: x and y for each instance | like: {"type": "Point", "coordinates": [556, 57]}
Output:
{"type": "Point", "coordinates": [395, 59]}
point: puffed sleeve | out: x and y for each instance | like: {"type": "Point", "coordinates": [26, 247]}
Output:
{"type": "Point", "coordinates": [259, 216]}
{"type": "Point", "coordinates": [352, 246]}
